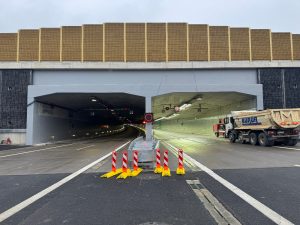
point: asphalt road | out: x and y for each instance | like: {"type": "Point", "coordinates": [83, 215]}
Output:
{"type": "Point", "coordinates": [267, 174]}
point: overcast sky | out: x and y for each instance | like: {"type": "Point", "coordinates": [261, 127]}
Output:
{"type": "Point", "coordinates": [278, 15]}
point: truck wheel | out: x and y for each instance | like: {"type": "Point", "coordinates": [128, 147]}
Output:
{"type": "Point", "coordinates": [263, 140]}
{"type": "Point", "coordinates": [292, 142]}
{"type": "Point", "coordinates": [253, 139]}
{"type": "Point", "coordinates": [232, 137]}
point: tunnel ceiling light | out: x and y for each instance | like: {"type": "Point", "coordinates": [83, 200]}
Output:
{"type": "Point", "coordinates": [93, 99]}
{"type": "Point", "coordinates": [161, 118]}
{"type": "Point", "coordinates": [172, 116]}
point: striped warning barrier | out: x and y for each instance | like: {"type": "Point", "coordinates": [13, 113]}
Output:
{"type": "Point", "coordinates": [114, 171]}
{"type": "Point", "coordinates": [180, 169]}
{"type": "Point", "coordinates": [166, 170]}
{"type": "Point", "coordinates": [158, 168]}
{"type": "Point", "coordinates": [136, 170]}
{"type": "Point", "coordinates": [125, 171]}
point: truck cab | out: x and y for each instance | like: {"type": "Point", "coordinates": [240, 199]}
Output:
{"type": "Point", "coordinates": [229, 125]}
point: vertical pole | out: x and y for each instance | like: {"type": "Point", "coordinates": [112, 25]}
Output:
{"type": "Point", "coordinates": [148, 125]}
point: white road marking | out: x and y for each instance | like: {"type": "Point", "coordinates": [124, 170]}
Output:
{"type": "Point", "coordinates": [10, 212]}
{"type": "Point", "coordinates": [157, 145]}
{"type": "Point", "coordinates": [272, 215]}
{"type": "Point", "coordinates": [296, 149]}
{"type": "Point", "coordinates": [297, 165]}
{"type": "Point", "coordinates": [85, 147]}
{"type": "Point", "coordinates": [38, 150]}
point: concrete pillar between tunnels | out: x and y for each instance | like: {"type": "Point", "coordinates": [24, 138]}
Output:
{"type": "Point", "coordinates": [148, 125]}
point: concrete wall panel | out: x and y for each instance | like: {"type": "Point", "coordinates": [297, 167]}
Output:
{"type": "Point", "coordinates": [114, 42]}
{"type": "Point", "coordinates": [28, 45]}
{"type": "Point", "coordinates": [135, 42]}
{"type": "Point", "coordinates": [296, 46]}
{"type": "Point", "coordinates": [240, 43]}
{"type": "Point", "coordinates": [8, 47]}
{"type": "Point", "coordinates": [50, 44]}
{"type": "Point", "coordinates": [219, 43]}
{"type": "Point", "coordinates": [92, 42]}
{"type": "Point", "coordinates": [261, 44]}
{"type": "Point", "coordinates": [71, 43]}
{"type": "Point", "coordinates": [156, 42]}
{"type": "Point", "coordinates": [281, 46]}
{"type": "Point", "coordinates": [177, 42]}
{"type": "Point", "coordinates": [198, 42]}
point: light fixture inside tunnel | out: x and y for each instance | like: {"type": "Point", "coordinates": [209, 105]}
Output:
{"type": "Point", "coordinates": [184, 107]}
{"type": "Point", "coordinates": [93, 99]}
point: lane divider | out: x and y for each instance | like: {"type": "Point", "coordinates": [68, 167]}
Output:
{"type": "Point", "coordinates": [136, 170]}
{"type": "Point", "coordinates": [268, 212]}
{"type": "Point", "coordinates": [13, 210]}
{"type": "Point", "coordinates": [78, 149]}
{"type": "Point", "coordinates": [158, 168]}
{"type": "Point", "coordinates": [180, 170]}
{"type": "Point", "coordinates": [125, 170]}
{"type": "Point", "coordinates": [166, 170]}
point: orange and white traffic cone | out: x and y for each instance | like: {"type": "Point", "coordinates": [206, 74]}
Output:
{"type": "Point", "coordinates": [125, 171]}
{"type": "Point", "coordinates": [136, 170]}
{"type": "Point", "coordinates": [114, 171]}
{"type": "Point", "coordinates": [166, 170]}
{"type": "Point", "coordinates": [180, 169]}
{"type": "Point", "coordinates": [158, 168]}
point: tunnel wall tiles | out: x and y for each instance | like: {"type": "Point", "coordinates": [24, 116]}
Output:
{"type": "Point", "coordinates": [50, 44]}
{"type": "Point", "coordinates": [292, 87]}
{"type": "Point", "coordinates": [198, 42]}
{"type": "Point", "coordinates": [28, 45]}
{"type": "Point", "coordinates": [260, 44]}
{"type": "Point", "coordinates": [8, 47]}
{"type": "Point", "coordinates": [296, 46]}
{"type": "Point", "coordinates": [281, 46]}
{"type": "Point", "coordinates": [92, 42]}
{"type": "Point", "coordinates": [13, 95]}
{"type": "Point", "coordinates": [135, 42]}
{"type": "Point", "coordinates": [71, 43]}
{"type": "Point", "coordinates": [114, 42]}
{"type": "Point", "coordinates": [156, 42]}
{"type": "Point", "coordinates": [219, 43]}
{"type": "Point", "coordinates": [240, 43]}
{"type": "Point", "coordinates": [271, 79]}
{"type": "Point", "coordinates": [177, 42]}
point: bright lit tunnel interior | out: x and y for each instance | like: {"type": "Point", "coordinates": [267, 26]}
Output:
{"type": "Point", "coordinates": [60, 116]}
{"type": "Point", "coordinates": [195, 113]}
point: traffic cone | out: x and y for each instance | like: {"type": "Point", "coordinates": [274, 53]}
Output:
{"type": "Point", "coordinates": [136, 170]}
{"type": "Point", "coordinates": [180, 169]}
{"type": "Point", "coordinates": [125, 171]}
{"type": "Point", "coordinates": [114, 171]}
{"type": "Point", "coordinates": [166, 170]}
{"type": "Point", "coordinates": [158, 168]}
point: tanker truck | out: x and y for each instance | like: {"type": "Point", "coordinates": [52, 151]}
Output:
{"type": "Point", "coordinates": [263, 127]}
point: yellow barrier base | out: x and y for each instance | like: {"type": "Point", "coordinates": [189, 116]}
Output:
{"type": "Point", "coordinates": [180, 171]}
{"type": "Point", "coordinates": [158, 170]}
{"type": "Point", "coordinates": [136, 172]}
{"type": "Point", "coordinates": [124, 175]}
{"type": "Point", "coordinates": [112, 173]}
{"type": "Point", "coordinates": [166, 172]}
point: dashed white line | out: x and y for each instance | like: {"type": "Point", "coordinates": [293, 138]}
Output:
{"type": "Point", "coordinates": [78, 149]}
{"type": "Point", "coordinates": [272, 215]}
{"type": "Point", "coordinates": [38, 150]}
{"type": "Point", "coordinates": [10, 212]}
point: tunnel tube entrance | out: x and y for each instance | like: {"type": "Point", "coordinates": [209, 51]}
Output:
{"type": "Point", "coordinates": [61, 116]}
{"type": "Point", "coordinates": [196, 113]}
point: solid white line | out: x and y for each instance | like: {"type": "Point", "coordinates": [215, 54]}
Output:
{"type": "Point", "coordinates": [38, 150]}
{"type": "Point", "coordinates": [297, 165]}
{"type": "Point", "coordinates": [85, 147]}
{"type": "Point", "coordinates": [296, 149]}
{"type": "Point", "coordinates": [157, 145]}
{"type": "Point", "coordinates": [272, 215]}
{"type": "Point", "coordinates": [8, 213]}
